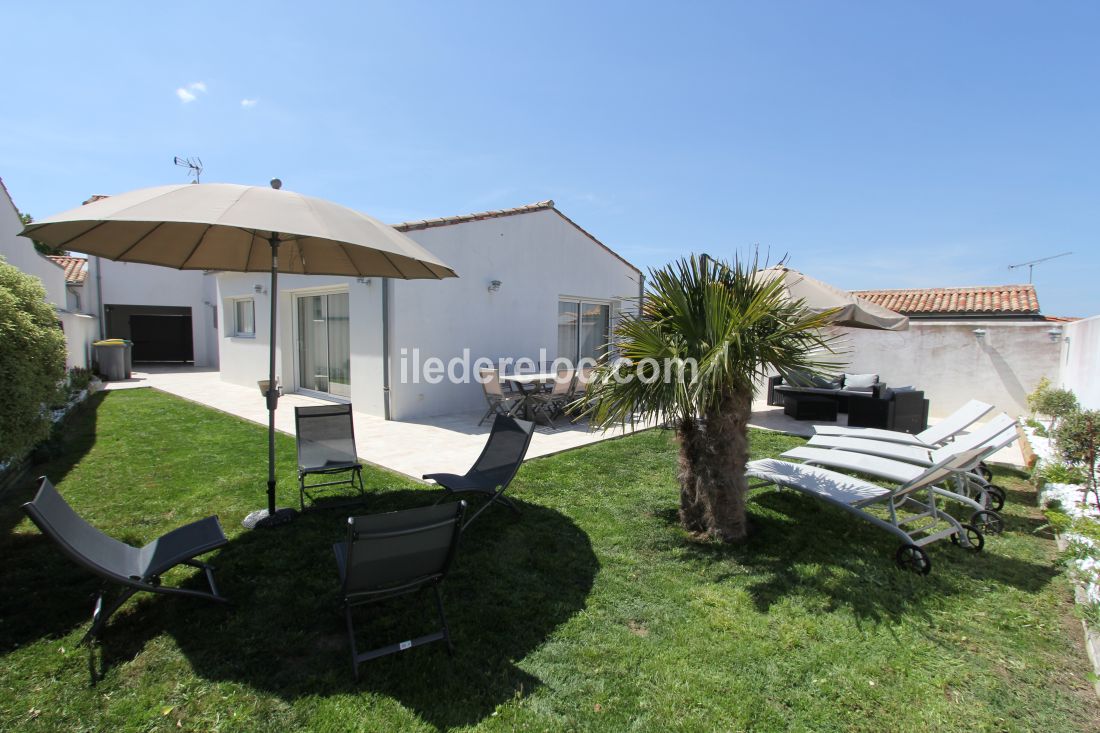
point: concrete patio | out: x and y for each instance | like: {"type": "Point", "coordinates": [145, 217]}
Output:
{"type": "Point", "coordinates": [414, 448]}
{"type": "Point", "coordinates": [444, 443]}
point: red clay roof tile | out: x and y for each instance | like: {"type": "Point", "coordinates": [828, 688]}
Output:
{"type": "Point", "coordinates": [977, 300]}
{"type": "Point", "coordinates": [75, 272]}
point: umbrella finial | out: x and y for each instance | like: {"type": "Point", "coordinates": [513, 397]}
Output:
{"type": "Point", "coordinates": [276, 183]}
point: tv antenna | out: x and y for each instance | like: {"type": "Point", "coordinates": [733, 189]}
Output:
{"type": "Point", "coordinates": [194, 166]}
{"type": "Point", "coordinates": [1031, 265]}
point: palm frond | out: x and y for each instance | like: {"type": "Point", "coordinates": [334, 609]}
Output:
{"type": "Point", "coordinates": [711, 330]}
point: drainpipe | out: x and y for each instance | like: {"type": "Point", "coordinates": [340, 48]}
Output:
{"type": "Point", "coordinates": [99, 297]}
{"type": "Point", "coordinates": [641, 292]}
{"type": "Point", "coordinates": [386, 289]}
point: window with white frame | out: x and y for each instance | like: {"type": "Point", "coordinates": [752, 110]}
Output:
{"type": "Point", "coordinates": [244, 317]}
{"type": "Point", "coordinates": [584, 328]}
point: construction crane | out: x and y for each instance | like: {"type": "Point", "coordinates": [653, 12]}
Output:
{"type": "Point", "coordinates": [1031, 265]}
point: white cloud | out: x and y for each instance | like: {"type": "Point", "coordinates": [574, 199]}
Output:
{"type": "Point", "coordinates": [188, 93]}
{"type": "Point", "coordinates": [246, 103]}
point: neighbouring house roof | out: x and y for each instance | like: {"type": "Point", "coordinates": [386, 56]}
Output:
{"type": "Point", "coordinates": [548, 205]}
{"type": "Point", "coordinates": [75, 268]}
{"type": "Point", "coordinates": [978, 300]}
{"type": "Point", "coordinates": [4, 188]}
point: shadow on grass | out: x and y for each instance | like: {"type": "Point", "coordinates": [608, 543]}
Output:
{"type": "Point", "coordinates": [800, 548]}
{"type": "Point", "coordinates": [1019, 496]}
{"type": "Point", "coordinates": [35, 576]}
{"type": "Point", "coordinates": [515, 580]}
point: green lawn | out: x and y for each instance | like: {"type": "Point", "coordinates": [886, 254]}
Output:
{"type": "Point", "coordinates": [592, 611]}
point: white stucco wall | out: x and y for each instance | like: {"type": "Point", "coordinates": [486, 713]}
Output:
{"type": "Point", "coordinates": [1080, 360]}
{"type": "Point", "coordinates": [951, 365]}
{"type": "Point", "coordinates": [80, 331]}
{"type": "Point", "coordinates": [127, 283]}
{"type": "Point", "coordinates": [245, 360]}
{"type": "Point", "coordinates": [537, 257]}
{"type": "Point", "coordinates": [20, 252]}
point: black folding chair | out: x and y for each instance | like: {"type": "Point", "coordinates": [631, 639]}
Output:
{"type": "Point", "coordinates": [326, 447]}
{"type": "Point", "coordinates": [495, 468]}
{"type": "Point", "coordinates": [135, 569]}
{"type": "Point", "coordinates": [388, 555]}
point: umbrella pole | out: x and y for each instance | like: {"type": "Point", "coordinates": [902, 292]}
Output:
{"type": "Point", "coordinates": [272, 391]}
{"type": "Point", "coordinates": [271, 516]}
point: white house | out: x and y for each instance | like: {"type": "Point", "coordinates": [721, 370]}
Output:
{"type": "Point", "coordinates": [80, 327]}
{"type": "Point", "coordinates": [531, 283]}
{"type": "Point", "coordinates": [76, 272]}
{"type": "Point", "coordinates": [170, 315]}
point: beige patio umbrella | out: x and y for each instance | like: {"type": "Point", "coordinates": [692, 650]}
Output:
{"type": "Point", "coordinates": [851, 310]}
{"type": "Point", "coordinates": [222, 226]}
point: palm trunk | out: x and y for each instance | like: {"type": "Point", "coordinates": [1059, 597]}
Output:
{"type": "Point", "coordinates": [692, 448]}
{"type": "Point", "coordinates": [713, 487]}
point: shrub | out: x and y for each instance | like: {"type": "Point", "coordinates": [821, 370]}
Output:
{"type": "Point", "coordinates": [1053, 402]}
{"type": "Point", "coordinates": [1059, 473]}
{"type": "Point", "coordinates": [1077, 439]}
{"type": "Point", "coordinates": [79, 378]}
{"type": "Point", "coordinates": [32, 360]}
{"type": "Point", "coordinates": [1036, 394]}
{"type": "Point", "coordinates": [1038, 427]}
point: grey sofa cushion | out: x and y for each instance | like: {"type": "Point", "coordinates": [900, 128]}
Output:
{"type": "Point", "coordinates": [860, 381]}
{"type": "Point", "coordinates": [800, 378]}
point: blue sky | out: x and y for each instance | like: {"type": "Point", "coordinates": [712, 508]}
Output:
{"type": "Point", "coordinates": [879, 144]}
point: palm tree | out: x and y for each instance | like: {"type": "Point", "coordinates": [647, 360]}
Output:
{"type": "Point", "coordinates": [707, 333]}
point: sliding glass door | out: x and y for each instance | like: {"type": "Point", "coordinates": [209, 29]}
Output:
{"type": "Point", "coordinates": [584, 329]}
{"type": "Point", "coordinates": [324, 344]}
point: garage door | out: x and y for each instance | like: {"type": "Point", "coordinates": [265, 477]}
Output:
{"type": "Point", "coordinates": [159, 333]}
{"type": "Point", "coordinates": [161, 338]}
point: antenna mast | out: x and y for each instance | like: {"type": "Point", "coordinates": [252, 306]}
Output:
{"type": "Point", "coordinates": [1031, 265]}
{"type": "Point", "coordinates": [193, 165]}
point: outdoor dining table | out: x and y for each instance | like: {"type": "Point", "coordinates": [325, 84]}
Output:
{"type": "Point", "coordinates": [528, 384]}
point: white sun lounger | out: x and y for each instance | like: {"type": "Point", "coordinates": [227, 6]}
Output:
{"type": "Point", "coordinates": [965, 485]}
{"type": "Point", "coordinates": [936, 435]}
{"type": "Point", "coordinates": [920, 455]}
{"type": "Point", "coordinates": [855, 496]}
{"type": "Point", "coordinates": [991, 437]}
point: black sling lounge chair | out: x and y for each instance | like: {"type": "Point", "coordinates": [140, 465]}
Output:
{"type": "Point", "coordinates": [388, 555]}
{"type": "Point", "coordinates": [326, 446]}
{"type": "Point", "coordinates": [495, 467]}
{"type": "Point", "coordinates": [136, 569]}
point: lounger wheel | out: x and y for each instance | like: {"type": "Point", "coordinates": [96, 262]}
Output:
{"type": "Point", "coordinates": [989, 522]}
{"type": "Point", "coordinates": [996, 497]}
{"type": "Point", "coordinates": [984, 472]}
{"type": "Point", "coordinates": [975, 540]}
{"type": "Point", "coordinates": [914, 558]}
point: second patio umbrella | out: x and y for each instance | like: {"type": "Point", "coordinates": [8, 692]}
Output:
{"type": "Point", "coordinates": [221, 226]}
{"type": "Point", "coordinates": [850, 310]}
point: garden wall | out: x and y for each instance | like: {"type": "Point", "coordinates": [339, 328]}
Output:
{"type": "Point", "coordinates": [80, 332]}
{"type": "Point", "coordinates": [952, 365]}
{"type": "Point", "coordinates": [1080, 361]}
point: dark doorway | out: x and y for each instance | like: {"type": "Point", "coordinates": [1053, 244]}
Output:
{"type": "Point", "coordinates": [159, 333]}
